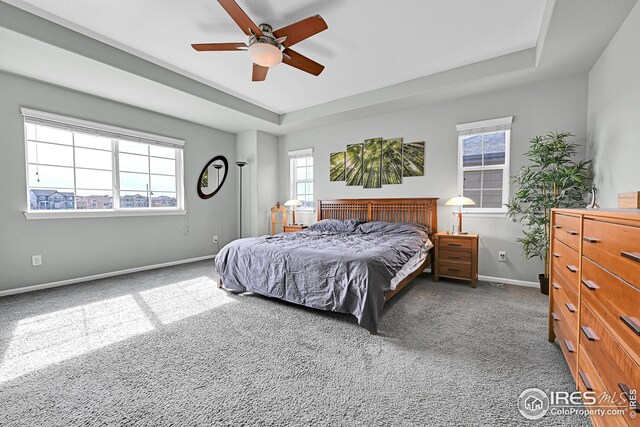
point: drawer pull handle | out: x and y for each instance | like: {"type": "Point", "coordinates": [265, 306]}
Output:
{"type": "Point", "coordinates": [588, 332]}
{"type": "Point", "coordinates": [585, 381]}
{"type": "Point", "coordinates": [570, 307]}
{"type": "Point", "coordinates": [555, 285]}
{"type": "Point", "coordinates": [453, 269]}
{"type": "Point", "coordinates": [631, 323]}
{"type": "Point", "coordinates": [635, 256]}
{"type": "Point", "coordinates": [569, 346]}
{"type": "Point", "coordinates": [590, 284]}
{"type": "Point", "coordinates": [626, 391]}
{"type": "Point", "coordinates": [557, 226]}
{"type": "Point", "coordinates": [556, 255]}
{"type": "Point", "coordinates": [590, 239]}
{"type": "Point", "coordinates": [555, 316]}
{"type": "Point", "coordinates": [454, 244]}
{"type": "Point", "coordinates": [572, 268]}
{"type": "Point", "coordinates": [454, 257]}
{"type": "Point", "coordinates": [572, 232]}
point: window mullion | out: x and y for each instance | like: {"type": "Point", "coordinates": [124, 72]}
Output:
{"type": "Point", "coordinates": [75, 171]}
{"type": "Point", "coordinates": [116, 173]}
{"type": "Point", "coordinates": [149, 177]}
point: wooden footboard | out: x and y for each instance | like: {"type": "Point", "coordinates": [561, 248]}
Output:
{"type": "Point", "coordinates": [404, 282]}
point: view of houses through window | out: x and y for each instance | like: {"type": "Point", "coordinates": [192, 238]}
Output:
{"type": "Point", "coordinates": [483, 164]}
{"type": "Point", "coordinates": [69, 169]}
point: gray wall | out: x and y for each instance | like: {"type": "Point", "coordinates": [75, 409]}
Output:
{"type": "Point", "coordinates": [614, 119]}
{"type": "Point", "coordinates": [538, 108]}
{"type": "Point", "coordinates": [267, 180]}
{"type": "Point", "coordinates": [247, 151]}
{"type": "Point", "coordinates": [260, 180]}
{"type": "Point", "coordinates": [73, 248]}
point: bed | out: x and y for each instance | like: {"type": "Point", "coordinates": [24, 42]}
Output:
{"type": "Point", "coordinates": [360, 254]}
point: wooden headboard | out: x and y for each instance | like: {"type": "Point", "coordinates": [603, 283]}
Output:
{"type": "Point", "coordinates": [423, 210]}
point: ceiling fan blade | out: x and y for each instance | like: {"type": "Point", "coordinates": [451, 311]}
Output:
{"type": "Point", "coordinates": [242, 19]}
{"type": "Point", "coordinates": [202, 47]}
{"type": "Point", "coordinates": [301, 30]}
{"type": "Point", "coordinates": [259, 73]}
{"type": "Point", "coordinates": [301, 62]}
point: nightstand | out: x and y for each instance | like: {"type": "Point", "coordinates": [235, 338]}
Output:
{"type": "Point", "coordinates": [456, 257]}
{"type": "Point", "coordinates": [290, 228]}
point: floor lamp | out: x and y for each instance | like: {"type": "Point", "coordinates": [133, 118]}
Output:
{"type": "Point", "coordinates": [241, 165]}
{"type": "Point", "coordinates": [218, 167]}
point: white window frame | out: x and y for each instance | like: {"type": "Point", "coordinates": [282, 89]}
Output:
{"type": "Point", "coordinates": [466, 130]}
{"type": "Point", "coordinates": [293, 156]}
{"type": "Point", "coordinates": [115, 133]}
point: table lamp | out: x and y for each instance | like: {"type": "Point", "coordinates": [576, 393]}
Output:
{"type": "Point", "coordinates": [460, 201]}
{"type": "Point", "coordinates": [293, 203]}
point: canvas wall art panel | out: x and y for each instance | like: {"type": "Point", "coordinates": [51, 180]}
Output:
{"type": "Point", "coordinates": [392, 161]}
{"type": "Point", "coordinates": [372, 163]}
{"type": "Point", "coordinates": [353, 168]}
{"type": "Point", "coordinates": [337, 166]}
{"type": "Point", "coordinates": [413, 159]}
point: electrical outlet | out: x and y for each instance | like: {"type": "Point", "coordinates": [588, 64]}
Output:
{"type": "Point", "coordinates": [36, 260]}
{"type": "Point", "coordinates": [215, 239]}
{"type": "Point", "coordinates": [502, 256]}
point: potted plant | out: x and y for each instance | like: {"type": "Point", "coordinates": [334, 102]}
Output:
{"type": "Point", "coordinates": [552, 180]}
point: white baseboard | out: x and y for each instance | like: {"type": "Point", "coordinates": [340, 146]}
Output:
{"type": "Point", "coordinates": [502, 280]}
{"type": "Point", "coordinates": [101, 276]}
{"type": "Point", "coordinates": [509, 281]}
{"type": "Point", "coordinates": [202, 258]}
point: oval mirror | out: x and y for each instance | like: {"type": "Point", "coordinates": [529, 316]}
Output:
{"type": "Point", "coordinates": [212, 177]}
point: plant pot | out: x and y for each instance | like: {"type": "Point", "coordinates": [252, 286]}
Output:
{"type": "Point", "coordinates": [544, 284]}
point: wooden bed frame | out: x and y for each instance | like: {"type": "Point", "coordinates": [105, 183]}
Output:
{"type": "Point", "coordinates": [420, 210]}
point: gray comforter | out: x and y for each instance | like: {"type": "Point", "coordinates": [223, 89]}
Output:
{"type": "Point", "coordinates": [339, 268]}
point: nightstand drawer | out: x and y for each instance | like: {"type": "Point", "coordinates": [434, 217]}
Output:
{"type": "Point", "coordinates": [454, 270]}
{"type": "Point", "coordinates": [455, 244]}
{"type": "Point", "coordinates": [291, 228]}
{"type": "Point", "coordinates": [455, 257]}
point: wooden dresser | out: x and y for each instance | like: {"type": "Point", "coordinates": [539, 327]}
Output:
{"type": "Point", "coordinates": [456, 256]}
{"type": "Point", "coordinates": [594, 306]}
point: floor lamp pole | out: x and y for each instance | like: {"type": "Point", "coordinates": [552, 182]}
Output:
{"type": "Point", "coordinates": [241, 165]}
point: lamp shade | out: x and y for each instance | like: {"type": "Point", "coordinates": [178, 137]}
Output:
{"type": "Point", "coordinates": [460, 201]}
{"type": "Point", "coordinates": [265, 54]}
{"type": "Point", "coordinates": [293, 202]}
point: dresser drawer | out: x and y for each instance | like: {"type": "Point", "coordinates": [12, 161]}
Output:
{"type": "Point", "coordinates": [455, 257]}
{"type": "Point", "coordinates": [615, 247]}
{"type": "Point", "coordinates": [589, 380]}
{"type": "Point", "coordinates": [566, 304]}
{"type": "Point", "coordinates": [618, 371]}
{"type": "Point", "coordinates": [567, 230]}
{"type": "Point", "coordinates": [567, 342]}
{"type": "Point", "coordinates": [566, 261]}
{"type": "Point", "coordinates": [615, 302]}
{"type": "Point", "coordinates": [448, 269]}
{"type": "Point", "coordinates": [455, 244]}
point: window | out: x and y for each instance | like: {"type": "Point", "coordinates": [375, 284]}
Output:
{"type": "Point", "coordinates": [483, 163]}
{"type": "Point", "coordinates": [74, 165]}
{"type": "Point", "coordinates": [301, 167]}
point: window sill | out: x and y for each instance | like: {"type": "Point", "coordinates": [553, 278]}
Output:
{"type": "Point", "coordinates": [489, 213]}
{"type": "Point", "coordinates": [103, 213]}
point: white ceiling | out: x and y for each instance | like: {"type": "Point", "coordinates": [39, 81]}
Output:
{"type": "Point", "coordinates": [369, 44]}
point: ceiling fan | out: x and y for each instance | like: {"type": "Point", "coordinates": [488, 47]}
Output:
{"type": "Point", "coordinates": [265, 45]}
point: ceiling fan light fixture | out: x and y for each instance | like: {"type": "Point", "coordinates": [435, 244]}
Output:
{"type": "Point", "coordinates": [265, 54]}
